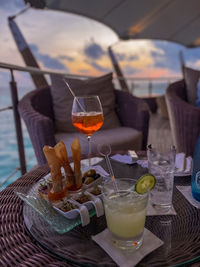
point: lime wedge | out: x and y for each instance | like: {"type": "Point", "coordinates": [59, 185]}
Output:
{"type": "Point", "coordinates": [145, 183]}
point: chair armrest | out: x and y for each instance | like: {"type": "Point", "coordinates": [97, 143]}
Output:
{"type": "Point", "coordinates": [184, 119]}
{"type": "Point", "coordinates": [40, 127]}
{"type": "Point", "coordinates": [133, 112]}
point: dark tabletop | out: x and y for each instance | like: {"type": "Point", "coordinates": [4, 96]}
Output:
{"type": "Point", "coordinates": [28, 245]}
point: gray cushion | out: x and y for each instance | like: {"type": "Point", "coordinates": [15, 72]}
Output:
{"type": "Point", "coordinates": [191, 77]}
{"type": "Point", "coordinates": [122, 138]}
{"type": "Point", "coordinates": [62, 100]}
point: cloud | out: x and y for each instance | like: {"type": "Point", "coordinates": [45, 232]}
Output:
{"type": "Point", "coordinates": [94, 51]}
{"type": "Point", "coordinates": [66, 58]}
{"type": "Point", "coordinates": [169, 59]}
{"type": "Point", "coordinates": [128, 70]}
{"type": "Point", "coordinates": [48, 61]}
{"type": "Point", "coordinates": [192, 57]}
{"type": "Point", "coordinates": [125, 57]}
{"type": "Point", "coordinates": [84, 71]}
{"type": "Point", "coordinates": [11, 5]}
{"type": "Point", "coordinates": [120, 56]}
{"type": "Point", "coordinates": [99, 67]}
{"type": "Point", "coordinates": [133, 57]}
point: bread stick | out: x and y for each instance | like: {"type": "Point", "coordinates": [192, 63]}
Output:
{"type": "Point", "coordinates": [76, 154]}
{"type": "Point", "coordinates": [61, 153]}
{"type": "Point", "coordinates": [55, 167]}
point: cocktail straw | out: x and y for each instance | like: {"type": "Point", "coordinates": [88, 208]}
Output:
{"type": "Point", "coordinates": [71, 91]}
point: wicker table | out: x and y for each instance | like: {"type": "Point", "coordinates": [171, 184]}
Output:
{"type": "Point", "coordinates": [181, 233]}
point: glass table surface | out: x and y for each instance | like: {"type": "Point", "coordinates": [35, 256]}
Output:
{"type": "Point", "coordinates": [180, 233]}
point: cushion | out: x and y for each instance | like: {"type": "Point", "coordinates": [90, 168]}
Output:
{"type": "Point", "coordinates": [191, 77]}
{"type": "Point", "coordinates": [122, 138]}
{"type": "Point", "coordinates": [62, 99]}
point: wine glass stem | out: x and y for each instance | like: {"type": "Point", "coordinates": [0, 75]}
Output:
{"type": "Point", "coordinates": [89, 150]}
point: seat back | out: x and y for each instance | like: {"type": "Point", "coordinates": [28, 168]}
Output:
{"type": "Point", "coordinates": [36, 109]}
{"type": "Point", "coordinates": [184, 118]}
{"type": "Point", "coordinates": [41, 101]}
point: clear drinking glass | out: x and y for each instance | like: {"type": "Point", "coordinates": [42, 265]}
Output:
{"type": "Point", "coordinates": [162, 165]}
{"type": "Point", "coordinates": [125, 212]}
{"type": "Point", "coordinates": [87, 116]}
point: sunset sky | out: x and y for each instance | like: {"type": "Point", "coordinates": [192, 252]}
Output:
{"type": "Point", "coordinates": [77, 45]}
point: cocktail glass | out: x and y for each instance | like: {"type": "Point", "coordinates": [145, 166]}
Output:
{"type": "Point", "coordinates": [87, 117]}
{"type": "Point", "coordinates": [125, 212]}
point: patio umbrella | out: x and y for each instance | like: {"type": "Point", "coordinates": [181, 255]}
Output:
{"type": "Point", "coordinates": [171, 20]}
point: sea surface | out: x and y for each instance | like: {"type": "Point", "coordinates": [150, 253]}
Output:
{"type": "Point", "coordinates": [9, 159]}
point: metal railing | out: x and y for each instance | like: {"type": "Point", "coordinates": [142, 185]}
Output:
{"type": "Point", "coordinates": [14, 95]}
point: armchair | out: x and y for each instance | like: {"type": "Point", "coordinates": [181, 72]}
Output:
{"type": "Point", "coordinates": [36, 109]}
{"type": "Point", "coordinates": [184, 118]}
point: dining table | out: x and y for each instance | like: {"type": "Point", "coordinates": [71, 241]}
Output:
{"type": "Point", "coordinates": [27, 238]}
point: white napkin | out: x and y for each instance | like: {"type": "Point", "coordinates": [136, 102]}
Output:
{"type": "Point", "coordinates": [180, 162]}
{"type": "Point", "coordinates": [183, 164]}
{"type": "Point", "coordinates": [187, 193]}
{"type": "Point", "coordinates": [188, 165]}
{"type": "Point", "coordinates": [143, 163]}
{"type": "Point", "coordinates": [123, 158]}
{"type": "Point", "coordinates": [126, 258]}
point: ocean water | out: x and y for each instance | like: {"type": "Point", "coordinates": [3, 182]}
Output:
{"type": "Point", "coordinates": [141, 88]}
{"type": "Point", "coordinates": [9, 160]}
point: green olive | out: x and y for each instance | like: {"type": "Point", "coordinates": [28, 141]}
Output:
{"type": "Point", "coordinates": [90, 173]}
{"type": "Point", "coordinates": [89, 180]}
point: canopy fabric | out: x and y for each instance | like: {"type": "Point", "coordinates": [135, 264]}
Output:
{"type": "Point", "coordinates": [171, 20]}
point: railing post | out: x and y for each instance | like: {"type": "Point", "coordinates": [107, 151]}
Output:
{"type": "Point", "coordinates": [18, 127]}
{"type": "Point", "coordinates": [150, 88]}
{"type": "Point", "coordinates": [133, 88]}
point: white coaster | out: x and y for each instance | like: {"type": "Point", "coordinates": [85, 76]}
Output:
{"type": "Point", "coordinates": [127, 258]}
{"type": "Point", "coordinates": [127, 159]}
{"type": "Point", "coordinates": [186, 191]}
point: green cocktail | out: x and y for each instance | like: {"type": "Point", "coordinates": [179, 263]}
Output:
{"type": "Point", "coordinates": [125, 212]}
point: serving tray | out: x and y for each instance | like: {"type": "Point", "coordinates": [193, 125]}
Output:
{"type": "Point", "coordinates": [55, 219]}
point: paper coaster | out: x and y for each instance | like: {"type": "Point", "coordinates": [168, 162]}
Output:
{"type": "Point", "coordinates": [127, 258]}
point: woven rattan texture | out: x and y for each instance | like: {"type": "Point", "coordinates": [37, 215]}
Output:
{"type": "Point", "coordinates": [184, 118]}
{"type": "Point", "coordinates": [181, 233]}
{"type": "Point", "coordinates": [16, 246]}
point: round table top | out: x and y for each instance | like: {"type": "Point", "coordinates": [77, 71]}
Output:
{"type": "Point", "coordinates": [180, 233]}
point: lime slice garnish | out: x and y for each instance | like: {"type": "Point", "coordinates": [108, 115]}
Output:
{"type": "Point", "coordinates": [145, 183]}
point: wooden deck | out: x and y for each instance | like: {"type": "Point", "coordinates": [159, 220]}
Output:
{"type": "Point", "coordinates": [159, 132]}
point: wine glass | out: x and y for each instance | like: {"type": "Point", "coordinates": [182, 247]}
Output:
{"type": "Point", "coordinates": [87, 117]}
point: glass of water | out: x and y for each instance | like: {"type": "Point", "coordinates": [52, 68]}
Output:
{"type": "Point", "coordinates": [162, 166]}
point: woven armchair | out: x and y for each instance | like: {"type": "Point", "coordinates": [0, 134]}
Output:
{"type": "Point", "coordinates": [36, 109]}
{"type": "Point", "coordinates": [184, 118]}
